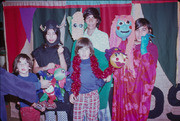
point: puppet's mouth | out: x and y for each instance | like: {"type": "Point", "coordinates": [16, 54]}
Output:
{"type": "Point", "coordinates": [124, 31]}
{"type": "Point", "coordinates": [119, 64]}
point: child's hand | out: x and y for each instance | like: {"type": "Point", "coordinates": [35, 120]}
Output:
{"type": "Point", "coordinates": [60, 50]}
{"type": "Point", "coordinates": [144, 43]}
{"type": "Point", "coordinates": [17, 106]}
{"type": "Point", "coordinates": [44, 83]}
{"type": "Point", "coordinates": [18, 103]}
{"type": "Point", "coordinates": [108, 79]}
{"type": "Point", "coordinates": [49, 66]}
{"type": "Point", "coordinates": [72, 98]}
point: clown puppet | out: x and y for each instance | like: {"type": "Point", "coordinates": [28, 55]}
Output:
{"type": "Point", "coordinates": [133, 83]}
{"type": "Point", "coordinates": [115, 57]}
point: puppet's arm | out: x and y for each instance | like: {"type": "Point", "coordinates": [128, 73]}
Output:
{"type": "Point", "coordinates": [144, 43]}
{"type": "Point", "coordinates": [69, 19]}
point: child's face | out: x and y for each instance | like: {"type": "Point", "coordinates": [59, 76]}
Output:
{"type": "Point", "coordinates": [23, 67]}
{"type": "Point", "coordinates": [84, 52]}
{"type": "Point", "coordinates": [51, 36]}
{"type": "Point", "coordinates": [142, 31]}
{"type": "Point", "coordinates": [91, 22]}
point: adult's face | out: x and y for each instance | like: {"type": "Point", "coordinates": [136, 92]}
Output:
{"type": "Point", "coordinates": [91, 22]}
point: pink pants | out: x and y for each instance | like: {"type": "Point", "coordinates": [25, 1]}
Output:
{"type": "Point", "coordinates": [29, 114]}
{"type": "Point", "coordinates": [86, 104]}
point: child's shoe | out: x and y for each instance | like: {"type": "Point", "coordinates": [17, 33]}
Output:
{"type": "Point", "coordinates": [51, 105]}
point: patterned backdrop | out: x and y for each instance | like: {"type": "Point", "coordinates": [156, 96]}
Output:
{"type": "Point", "coordinates": [23, 18]}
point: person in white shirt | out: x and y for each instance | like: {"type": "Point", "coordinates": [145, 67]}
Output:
{"type": "Point", "coordinates": [100, 43]}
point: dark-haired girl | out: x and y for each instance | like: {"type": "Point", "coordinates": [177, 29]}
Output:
{"type": "Point", "coordinates": [100, 43]}
{"type": "Point", "coordinates": [45, 57]}
{"type": "Point", "coordinates": [133, 86]}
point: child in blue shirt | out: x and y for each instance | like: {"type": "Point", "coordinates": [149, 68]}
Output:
{"type": "Point", "coordinates": [22, 66]}
{"type": "Point", "coordinates": [86, 78]}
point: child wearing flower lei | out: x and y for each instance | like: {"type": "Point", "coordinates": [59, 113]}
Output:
{"type": "Point", "coordinates": [87, 77]}
{"type": "Point", "coordinates": [95, 68]}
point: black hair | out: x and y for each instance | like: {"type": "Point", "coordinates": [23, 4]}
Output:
{"type": "Point", "coordinates": [52, 24]}
{"type": "Point", "coordinates": [143, 22]}
{"type": "Point", "coordinates": [94, 12]}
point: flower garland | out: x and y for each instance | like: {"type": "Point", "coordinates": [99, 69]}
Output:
{"type": "Point", "coordinates": [76, 85]}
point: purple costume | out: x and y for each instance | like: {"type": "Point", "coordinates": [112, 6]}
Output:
{"type": "Point", "coordinates": [13, 85]}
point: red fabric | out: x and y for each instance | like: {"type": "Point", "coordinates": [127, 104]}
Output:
{"type": "Point", "coordinates": [132, 96]}
{"type": "Point", "coordinates": [108, 14]}
{"type": "Point", "coordinates": [15, 34]}
{"type": "Point", "coordinates": [51, 95]}
{"type": "Point", "coordinates": [51, 98]}
{"type": "Point", "coordinates": [153, 1]}
{"type": "Point", "coordinates": [29, 114]}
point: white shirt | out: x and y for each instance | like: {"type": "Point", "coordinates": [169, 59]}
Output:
{"type": "Point", "coordinates": [99, 40]}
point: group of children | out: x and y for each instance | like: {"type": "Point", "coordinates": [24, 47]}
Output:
{"type": "Point", "coordinates": [81, 85]}
{"type": "Point", "coordinates": [87, 99]}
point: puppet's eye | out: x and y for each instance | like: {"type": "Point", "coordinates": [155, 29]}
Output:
{"type": "Point", "coordinates": [127, 22]}
{"type": "Point", "coordinates": [75, 25]}
{"type": "Point", "coordinates": [116, 54]}
{"type": "Point", "coordinates": [63, 71]}
{"type": "Point", "coordinates": [80, 25]}
{"type": "Point", "coordinates": [120, 23]}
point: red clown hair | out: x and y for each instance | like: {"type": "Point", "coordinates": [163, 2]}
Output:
{"type": "Point", "coordinates": [76, 85]}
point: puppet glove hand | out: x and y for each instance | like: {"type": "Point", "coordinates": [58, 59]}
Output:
{"type": "Point", "coordinates": [144, 43]}
{"type": "Point", "coordinates": [49, 66]}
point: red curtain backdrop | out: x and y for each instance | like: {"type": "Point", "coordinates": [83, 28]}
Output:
{"type": "Point", "coordinates": [15, 34]}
